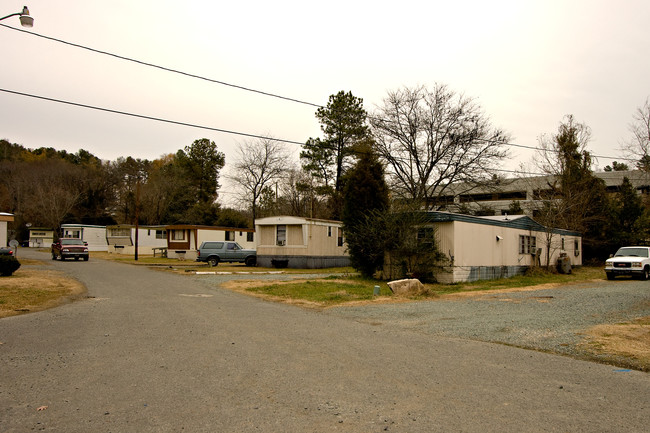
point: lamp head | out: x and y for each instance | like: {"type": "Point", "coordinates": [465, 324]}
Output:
{"type": "Point", "coordinates": [25, 19]}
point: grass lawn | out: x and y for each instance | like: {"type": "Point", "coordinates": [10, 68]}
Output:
{"type": "Point", "coordinates": [337, 290]}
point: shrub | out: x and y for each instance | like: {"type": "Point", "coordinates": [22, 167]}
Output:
{"type": "Point", "coordinates": [8, 265]}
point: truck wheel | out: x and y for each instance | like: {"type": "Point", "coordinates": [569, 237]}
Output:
{"type": "Point", "coordinates": [250, 261]}
{"type": "Point", "coordinates": [213, 261]}
{"type": "Point", "coordinates": [53, 256]}
{"type": "Point", "coordinates": [610, 276]}
{"type": "Point", "coordinates": [86, 259]}
{"type": "Point", "coordinates": [646, 274]}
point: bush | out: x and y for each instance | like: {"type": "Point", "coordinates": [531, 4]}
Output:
{"type": "Point", "coordinates": [8, 265]}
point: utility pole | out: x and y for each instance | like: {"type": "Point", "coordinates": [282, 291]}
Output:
{"type": "Point", "coordinates": [137, 215]}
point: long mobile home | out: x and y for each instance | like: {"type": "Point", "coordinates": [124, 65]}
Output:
{"type": "Point", "coordinates": [94, 236]}
{"type": "Point", "coordinates": [183, 241]}
{"type": "Point", "coordinates": [479, 248]}
{"type": "Point", "coordinates": [122, 239]}
{"type": "Point", "coordinates": [300, 242]}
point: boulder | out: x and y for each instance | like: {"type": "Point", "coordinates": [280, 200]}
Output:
{"type": "Point", "coordinates": [409, 286]}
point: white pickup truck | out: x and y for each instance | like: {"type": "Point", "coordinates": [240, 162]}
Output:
{"type": "Point", "coordinates": [633, 261]}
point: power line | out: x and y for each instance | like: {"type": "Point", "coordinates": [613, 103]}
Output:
{"type": "Point", "coordinates": [539, 149]}
{"type": "Point", "coordinates": [175, 71]}
{"type": "Point", "coordinates": [152, 65]}
{"type": "Point", "coordinates": [244, 134]}
{"type": "Point", "coordinates": [211, 80]}
{"type": "Point", "coordinates": [141, 116]}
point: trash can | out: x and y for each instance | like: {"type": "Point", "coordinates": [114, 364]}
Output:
{"type": "Point", "coordinates": [564, 264]}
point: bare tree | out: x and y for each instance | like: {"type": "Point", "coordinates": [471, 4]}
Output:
{"type": "Point", "coordinates": [296, 193]}
{"type": "Point", "coordinates": [577, 199]}
{"type": "Point", "coordinates": [433, 138]}
{"type": "Point", "coordinates": [638, 147]}
{"type": "Point", "coordinates": [56, 191]}
{"type": "Point", "coordinates": [260, 163]}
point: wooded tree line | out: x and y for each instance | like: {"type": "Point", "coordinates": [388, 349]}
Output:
{"type": "Point", "coordinates": [45, 188]}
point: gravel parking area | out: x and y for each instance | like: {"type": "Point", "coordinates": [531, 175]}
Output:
{"type": "Point", "coordinates": [552, 319]}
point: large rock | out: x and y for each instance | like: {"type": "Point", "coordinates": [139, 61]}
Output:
{"type": "Point", "coordinates": [409, 286]}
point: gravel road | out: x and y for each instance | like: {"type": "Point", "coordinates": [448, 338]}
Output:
{"type": "Point", "coordinates": [552, 320]}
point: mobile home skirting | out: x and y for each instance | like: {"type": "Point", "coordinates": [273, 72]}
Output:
{"type": "Point", "coordinates": [454, 274]}
{"type": "Point", "coordinates": [305, 262]}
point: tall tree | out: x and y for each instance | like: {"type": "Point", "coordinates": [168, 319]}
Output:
{"type": "Point", "coordinates": [343, 123]}
{"type": "Point", "coordinates": [365, 200]}
{"type": "Point", "coordinates": [163, 197]}
{"type": "Point", "coordinates": [130, 173]}
{"type": "Point", "coordinates": [583, 203]}
{"type": "Point", "coordinates": [432, 138]}
{"type": "Point", "coordinates": [259, 164]}
{"type": "Point", "coordinates": [201, 164]}
{"type": "Point", "coordinates": [630, 219]}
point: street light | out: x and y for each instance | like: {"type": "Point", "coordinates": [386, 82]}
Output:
{"type": "Point", "coordinates": [25, 19]}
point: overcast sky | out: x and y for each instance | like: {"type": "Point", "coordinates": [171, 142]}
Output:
{"type": "Point", "coordinates": [528, 63]}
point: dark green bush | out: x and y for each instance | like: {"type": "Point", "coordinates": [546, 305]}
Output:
{"type": "Point", "coordinates": [8, 265]}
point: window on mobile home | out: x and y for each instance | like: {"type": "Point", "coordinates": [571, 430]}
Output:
{"type": "Point", "coordinates": [281, 234]}
{"type": "Point", "coordinates": [527, 244]}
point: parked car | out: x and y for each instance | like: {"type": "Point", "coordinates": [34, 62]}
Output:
{"type": "Point", "coordinates": [70, 247]}
{"type": "Point", "coordinates": [6, 251]}
{"type": "Point", "coordinates": [634, 261]}
{"type": "Point", "coordinates": [215, 252]}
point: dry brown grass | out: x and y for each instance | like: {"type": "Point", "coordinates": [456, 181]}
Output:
{"type": "Point", "coordinates": [30, 290]}
{"type": "Point", "coordinates": [622, 340]}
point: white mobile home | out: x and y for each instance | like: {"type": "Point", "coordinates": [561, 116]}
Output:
{"type": "Point", "coordinates": [183, 241]}
{"type": "Point", "coordinates": [40, 237]}
{"type": "Point", "coordinates": [300, 243]}
{"type": "Point", "coordinates": [5, 218]}
{"type": "Point", "coordinates": [151, 240]}
{"type": "Point", "coordinates": [94, 236]}
{"type": "Point", "coordinates": [479, 248]}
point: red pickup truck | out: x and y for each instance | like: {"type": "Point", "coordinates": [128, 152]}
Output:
{"type": "Point", "coordinates": [70, 247]}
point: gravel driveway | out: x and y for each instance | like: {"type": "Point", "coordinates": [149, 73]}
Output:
{"type": "Point", "coordinates": [551, 320]}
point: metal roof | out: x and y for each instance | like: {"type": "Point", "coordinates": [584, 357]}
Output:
{"type": "Point", "coordinates": [522, 222]}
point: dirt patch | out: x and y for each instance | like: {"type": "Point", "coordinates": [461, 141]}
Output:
{"type": "Point", "coordinates": [30, 290]}
{"type": "Point", "coordinates": [469, 293]}
{"type": "Point", "coordinates": [626, 340]}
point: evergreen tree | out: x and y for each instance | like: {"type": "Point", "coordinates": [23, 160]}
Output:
{"type": "Point", "coordinates": [343, 122]}
{"type": "Point", "coordinates": [629, 220]}
{"type": "Point", "coordinates": [365, 200]}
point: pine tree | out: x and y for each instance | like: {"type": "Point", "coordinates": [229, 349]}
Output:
{"type": "Point", "coordinates": [365, 200]}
